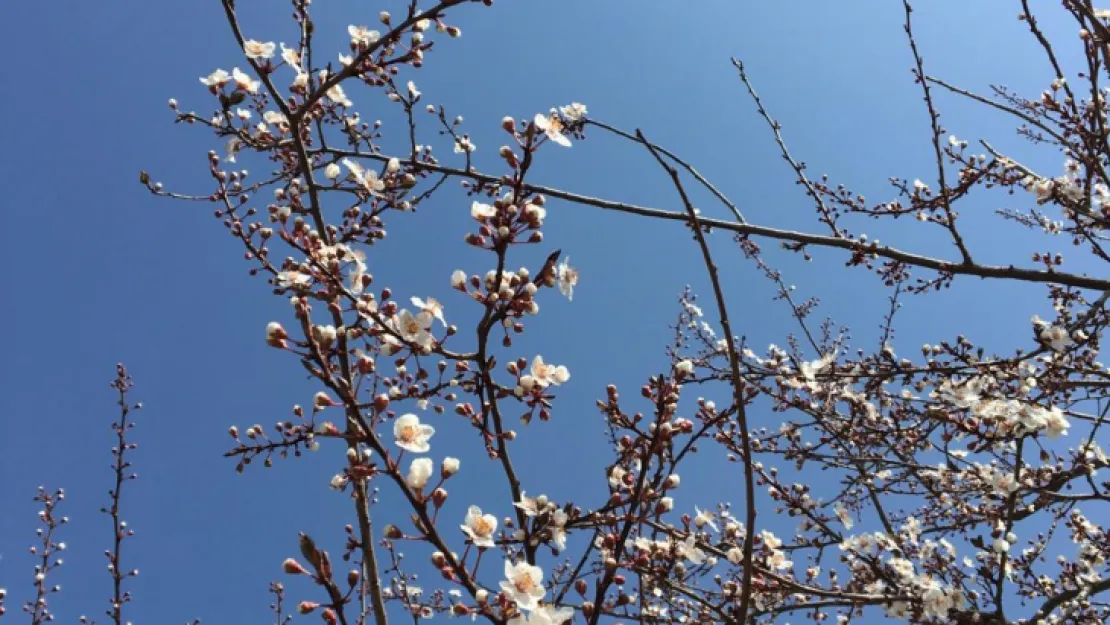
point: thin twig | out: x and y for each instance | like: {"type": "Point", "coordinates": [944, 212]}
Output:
{"type": "Point", "coordinates": [737, 382]}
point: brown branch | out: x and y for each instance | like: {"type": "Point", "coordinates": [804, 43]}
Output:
{"type": "Point", "coordinates": [122, 384]}
{"type": "Point", "coordinates": [737, 381]}
{"type": "Point", "coordinates": [827, 215]}
{"type": "Point", "coordinates": [953, 267]}
{"type": "Point", "coordinates": [1002, 107]}
{"type": "Point", "coordinates": [934, 124]}
{"type": "Point", "coordinates": [294, 125]}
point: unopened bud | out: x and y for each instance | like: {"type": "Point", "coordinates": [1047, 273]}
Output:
{"type": "Point", "coordinates": [450, 466]}
{"type": "Point", "coordinates": [439, 496]}
{"type": "Point", "coordinates": [293, 567]}
{"type": "Point", "coordinates": [307, 607]}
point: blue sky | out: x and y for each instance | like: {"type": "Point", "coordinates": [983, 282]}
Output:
{"type": "Point", "coordinates": [99, 271]}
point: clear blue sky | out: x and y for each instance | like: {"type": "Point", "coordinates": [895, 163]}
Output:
{"type": "Point", "coordinates": [97, 271]}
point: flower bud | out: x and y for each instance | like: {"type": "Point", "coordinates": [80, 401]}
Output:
{"type": "Point", "coordinates": [439, 496]}
{"type": "Point", "coordinates": [293, 567]}
{"type": "Point", "coordinates": [508, 123]}
{"type": "Point", "coordinates": [306, 607]}
{"type": "Point", "coordinates": [684, 368]}
{"type": "Point", "coordinates": [450, 467]}
{"type": "Point", "coordinates": [321, 400]}
{"type": "Point", "coordinates": [381, 401]}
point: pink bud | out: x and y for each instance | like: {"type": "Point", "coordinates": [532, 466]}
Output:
{"type": "Point", "coordinates": [293, 567]}
{"type": "Point", "coordinates": [321, 400]}
{"type": "Point", "coordinates": [306, 607]}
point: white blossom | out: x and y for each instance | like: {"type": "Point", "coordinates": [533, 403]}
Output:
{"type": "Point", "coordinates": [245, 82]}
{"type": "Point", "coordinates": [479, 527]}
{"type": "Point", "coordinates": [703, 518]}
{"type": "Point", "coordinates": [419, 471]}
{"type": "Point", "coordinates": [844, 516]}
{"type": "Point", "coordinates": [1057, 338]}
{"type": "Point", "coordinates": [482, 212]}
{"type": "Point", "coordinates": [291, 56]}
{"type": "Point", "coordinates": [367, 178]}
{"type": "Point", "coordinates": [430, 306]}
{"type": "Point", "coordinates": [363, 35]}
{"type": "Point", "coordinates": [259, 50]}
{"type": "Point", "coordinates": [552, 127]}
{"type": "Point", "coordinates": [337, 95]}
{"type": "Point", "coordinates": [567, 277]}
{"type": "Point", "coordinates": [523, 584]}
{"type": "Point", "coordinates": [412, 435]}
{"type": "Point", "coordinates": [217, 78]}
{"type": "Point", "coordinates": [543, 615]}
{"type": "Point", "coordinates": [463, 145]}
{"type": "Point", "coordinates": [574, 111]}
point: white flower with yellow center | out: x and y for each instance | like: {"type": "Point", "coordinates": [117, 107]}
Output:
{"type": "Point", "coordinates": [217, 78]}
{"type": "Point", "coordinates": [546, 373]}
{"type": "Point", "coordinates": [258, 49]}
{"type": "Point", "coordinates": [409, 433]}
{"type": "Point", "coordinates": [479, 527]}
{"type": "Point", "coordinates": [552, 127]}
{"type": "Point", "coordinates": [523, 584]}
{"type": "Point", "coordinates": [368, 178]}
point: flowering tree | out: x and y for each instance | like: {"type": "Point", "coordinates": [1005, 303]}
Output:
{"type": "Point", "coordinates": [962, 483]}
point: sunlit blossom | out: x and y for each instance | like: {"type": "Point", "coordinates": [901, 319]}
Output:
{"type": "Point", "coordinates": [410, 434]}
